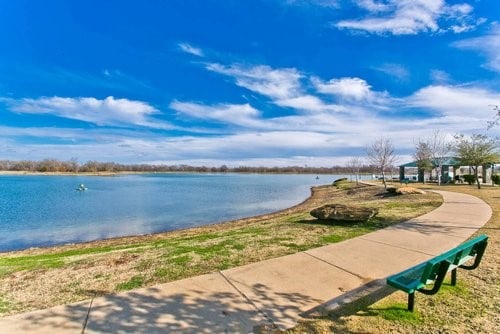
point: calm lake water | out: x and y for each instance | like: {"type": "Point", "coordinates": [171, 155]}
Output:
{"type": "Point", "coordinates": [48, 210]}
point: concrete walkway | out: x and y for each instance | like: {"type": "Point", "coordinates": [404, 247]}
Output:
{"type": "Point", "coordinates": [273, 292]}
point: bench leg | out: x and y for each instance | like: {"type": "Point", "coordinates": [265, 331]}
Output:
{"type": "Point", "coordinates": [454, 277]}
{"type": "Point", "coordinates": [411, 301]}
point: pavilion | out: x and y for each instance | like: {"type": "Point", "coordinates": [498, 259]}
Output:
{"type": "Point", "coordinates": [451, 170]}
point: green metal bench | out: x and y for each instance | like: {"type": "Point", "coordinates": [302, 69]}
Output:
{"type": "Point", "coordinates": [433, 271]}
{"type": "Point", "coordinates": [405, 181]}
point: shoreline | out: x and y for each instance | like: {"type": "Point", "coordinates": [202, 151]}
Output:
{"type": "Point", "coordinates": [315, 193]}
{"type": "Point", "coordinates": [21, 173]}
{"type": "Point", "coordinates": [70, 273]}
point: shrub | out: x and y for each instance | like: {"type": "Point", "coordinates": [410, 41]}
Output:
{"type": "Point", "coordinates": [469, 178]}
{"type": "Point", "coordinates": [391, 190]}
{"type": "Point", "coordinates": [337, 181]}
{"type": "Point", "coordinates": [496, 178]}
{"type": "Point", "coordinates": [342, 183]}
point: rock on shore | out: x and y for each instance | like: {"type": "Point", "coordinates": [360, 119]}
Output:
{"type": "Point", "coordinates": [340, 212]}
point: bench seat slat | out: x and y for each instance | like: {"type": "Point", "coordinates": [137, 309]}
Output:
{"type": "Point", "coordinates": [408, 280]}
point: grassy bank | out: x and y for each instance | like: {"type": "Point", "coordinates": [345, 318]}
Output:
{"type": "Point", "coordinates": [40, 278]}
{"type": "Point", "coordinates": [471, 307]}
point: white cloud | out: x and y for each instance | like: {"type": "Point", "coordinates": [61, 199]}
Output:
{"type": "Point", "coordinates": [320, 3]}
{"type": "Point", "coordinates": [283, 86]}
{"type": "Point", "coordinates": [461, 16]}
{"type": "Point", "coordinates": [188, 48]}
{"type": "Point", "coordinates": [409, 17]}
{"type": "Point", "coordinates": [487, 45]}
{"type": "Point", "coordinates": [316, 139]}
{"type": "Point", "coordinates": [439, 76]}
{"type": "Point", "coordinates": [457, 109]}
{"type": "Point", "coordinates": [248, 117]}
{"type": "Point", "coordinates": [253, 145]}
{"type": "Point", "coordinates": [239, 114]}
{"type": "Point", "coordinates": [397, 71]}
{"type": "Point", "coordinates": [306, 103]}
{"type": "Point", "coordinates": [226, 148]}
{"type": "Point", "coordinates": [109, 111]}
{"type": "Point", "coordinates": [274, 83]}
{"type": "Point", "coordinates": [353, 95]}
{"type": "Point", "coordinates": [350, 88]}
{"type": "Point", "coordinates": [373, 6]}
{"type": "Point", "coordinates": [75, 135]}
{"type": "Point", "coordinates": [467, 108]}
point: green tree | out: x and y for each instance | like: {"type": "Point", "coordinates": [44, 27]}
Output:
{"type": "Point", "coordinates": [476, 150]}
{"type": "Point", "coordinates": [423, 157]}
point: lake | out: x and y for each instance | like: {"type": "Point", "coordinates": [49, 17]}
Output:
{"type": "Point", "coordinates": [37, 211]}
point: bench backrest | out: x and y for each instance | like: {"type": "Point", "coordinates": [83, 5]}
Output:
{"type": "Point", "coordinates": [456, 257]}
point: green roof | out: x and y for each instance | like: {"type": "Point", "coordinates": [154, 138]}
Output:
{"type": "Point", "coordinates": [447, 161]}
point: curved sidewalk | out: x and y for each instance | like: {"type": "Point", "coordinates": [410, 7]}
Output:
{"type": "Point", "coordinates": [272, 292]}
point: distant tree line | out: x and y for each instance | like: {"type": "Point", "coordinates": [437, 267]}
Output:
{"type": "Point", "coordinates": [72, 166]}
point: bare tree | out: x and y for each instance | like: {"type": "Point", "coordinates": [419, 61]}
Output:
{"type": "Point", "coordinates": [495, 121]}
{"type": "Point", "coordinates": [72, 165]}
{"type": "Point", "coordinates": [440, 149]}
{"type": "Point", "coordinates": [354, 165]}
{"type": "Point", "coordinates": [475, 151]}
{"type": "Point", "coordinates": [381, 154]}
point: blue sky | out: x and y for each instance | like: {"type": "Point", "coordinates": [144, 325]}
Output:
{"type": "Point", "coordinates": [272, 83]}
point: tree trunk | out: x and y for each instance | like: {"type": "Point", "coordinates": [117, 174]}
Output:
{"type": "Point", "coordinates": [476, 170]}
{"type": "Point", "coordinates": [439, 175]}
{"type": "Point", "coordinates": [383, 180]}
